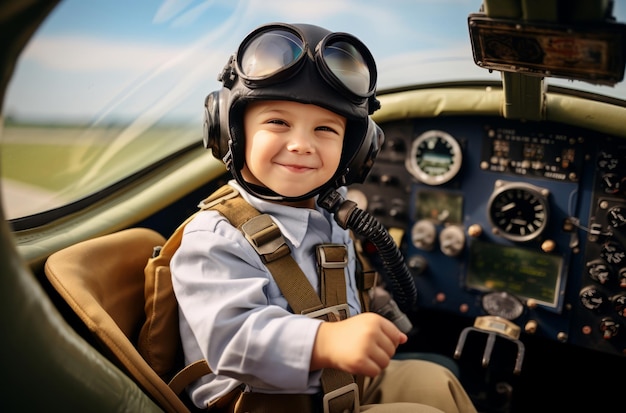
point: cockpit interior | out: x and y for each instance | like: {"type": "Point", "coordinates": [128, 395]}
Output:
{"type": "Point", "coordinates": [506, 197]}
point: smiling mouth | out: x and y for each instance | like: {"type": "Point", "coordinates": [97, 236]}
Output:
{"type": "Point", "coordinates": [297, 168]}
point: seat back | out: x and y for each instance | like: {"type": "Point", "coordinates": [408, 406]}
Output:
{"type": "Point", "coordinates": [102, 280]}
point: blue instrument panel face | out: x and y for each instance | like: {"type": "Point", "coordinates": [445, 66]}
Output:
{"type": "Point", "coordinates": [522, 220]}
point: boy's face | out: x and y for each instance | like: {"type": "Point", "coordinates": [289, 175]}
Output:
{"type": "Point", "coordinates": [291, 148]}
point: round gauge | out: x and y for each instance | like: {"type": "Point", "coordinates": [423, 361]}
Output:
{"type": "Point", "coordinates": [435, 158]}
{"type": "Point", "coordinates": [591, 298]}
{"type": "Point", "coordinates": [424, 234]}
{"type": "Point", "coordinates": [452, 240]}
{"type": "Point", "coordinates": [613, 253]}
{"type": "Point", "coordinates": [619, 304]}
{"type": "Point", "coordinates": [599, 271]}
{"type": "Point", "coordinates": [503, 304]}
{"type": "Point", "coordinates": [518, 211]}
{"type": "Point", "coordinates": [616, 217]}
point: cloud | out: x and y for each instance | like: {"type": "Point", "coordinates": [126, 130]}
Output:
{"type": "Point", "coordinates": [169, 9]}
{"type": "Point", "coordinates": [86, 53]}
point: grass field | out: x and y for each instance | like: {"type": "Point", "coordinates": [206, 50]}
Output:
{"type": "Point", "coordinates": [68, 163]}
{"type": "Point", "coordinates": [53, 158]}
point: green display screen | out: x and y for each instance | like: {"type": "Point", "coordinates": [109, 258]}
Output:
{"type": "Point", "coordinates": [439, 206]}
{"type": "Point", "coordinates": [519, 271]}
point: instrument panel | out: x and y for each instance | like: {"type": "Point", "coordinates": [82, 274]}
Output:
{"type": "Point", "coordinates": [521, 220]}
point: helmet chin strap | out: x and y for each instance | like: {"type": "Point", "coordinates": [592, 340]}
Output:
{"type": "Point", "coordinates": [263, 192]}
{"type": "Point", "coordinates": [269, 195]}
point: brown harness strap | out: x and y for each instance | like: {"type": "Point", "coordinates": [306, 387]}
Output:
{"type": "Point", "coordinates": [340, 391]}
{"type": "Point", "coordinates": [338, 386]}
{"type": "Point", "coordinates": [367, 277]}
{"type": "Point", "coordinates": [274, 403]}
{"type": "Point", "coordinates": [266, 238]}
{"type": "Point", "coordinates": [332, 260]}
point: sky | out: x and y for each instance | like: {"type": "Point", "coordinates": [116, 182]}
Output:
{"type": "Point", "coordinates": [98, 60]}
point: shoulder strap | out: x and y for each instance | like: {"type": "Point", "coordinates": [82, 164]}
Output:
{"type": "Point", "coordinates": [340, 391]}
{"type": "Point", "coordinates": [265, 237]}
{"type": "Point", "coordinates": [366, 274]}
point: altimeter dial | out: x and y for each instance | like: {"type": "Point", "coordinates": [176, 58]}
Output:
{"type": "Point", "coordinates": [435, 157]}
{"type": "Point", "coordinates": [518, 211]}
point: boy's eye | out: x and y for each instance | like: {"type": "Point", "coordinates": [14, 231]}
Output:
{"type": "Point", "coordinates": [277, 121]}
{"type": "Point", "coordinates": [326, 129]}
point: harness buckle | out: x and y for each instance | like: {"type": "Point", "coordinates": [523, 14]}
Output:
{"type": "Point", "coordinates": [265, 237]}
{"type": "Point", "coordinates": [352, 387]}
{"type": "Point", "coordinates": [333, 309]}
{"type": "Point", "coordinates": [326, 259]}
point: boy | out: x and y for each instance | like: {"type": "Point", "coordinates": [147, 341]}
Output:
{"type": "Point", "coordinates": [292, 125]}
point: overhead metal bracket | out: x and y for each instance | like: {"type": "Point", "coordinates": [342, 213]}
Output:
{"type": "Point", "coordinates": [528, 41]}
{"type": "Point", "coordinates": [524, 96]}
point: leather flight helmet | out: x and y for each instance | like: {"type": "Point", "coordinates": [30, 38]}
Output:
{"type": "Point", "coordinates": [308, 80]}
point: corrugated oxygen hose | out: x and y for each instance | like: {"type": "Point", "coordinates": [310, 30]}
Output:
{"type": "Point", "coordinates": [349, 216]}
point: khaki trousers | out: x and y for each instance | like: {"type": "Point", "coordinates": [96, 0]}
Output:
{"type": "Point", "coordinates": [405, 386]}
{"type": "Point", "coordinates": [415, 386]}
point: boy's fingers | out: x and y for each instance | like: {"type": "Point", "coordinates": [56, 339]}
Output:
{"type": "Point", "coordinates": [395, 335]}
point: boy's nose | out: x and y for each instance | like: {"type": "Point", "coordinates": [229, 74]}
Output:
{"type": "Point", "coordinates": [300, 143]}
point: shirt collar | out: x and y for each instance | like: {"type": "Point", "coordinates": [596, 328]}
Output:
{"type": "Point", "coordinates": [292, 222]}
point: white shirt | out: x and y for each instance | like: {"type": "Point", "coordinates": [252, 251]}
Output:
{"type": "Point", "coordinates": [232, 312]}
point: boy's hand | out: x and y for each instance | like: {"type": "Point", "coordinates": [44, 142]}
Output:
{"type": "Point", "coordinates": [363, 344]}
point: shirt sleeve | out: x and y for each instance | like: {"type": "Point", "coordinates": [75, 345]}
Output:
{"type": "Point", "coordinates": [236, 313]}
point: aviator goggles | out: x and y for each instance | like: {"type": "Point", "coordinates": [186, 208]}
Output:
{"type": "Point", "coordinates": [274, 53]}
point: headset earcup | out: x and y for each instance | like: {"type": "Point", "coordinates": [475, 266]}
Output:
{"type": "Point", "coordinates": [362, 161]}
{"type": "Point", "coordinates": [211, 131]}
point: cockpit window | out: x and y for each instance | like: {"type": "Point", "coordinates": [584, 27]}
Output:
{"type": "Point", "coordinates": [108, 88]}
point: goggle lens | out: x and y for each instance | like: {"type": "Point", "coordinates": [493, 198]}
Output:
{"type": "Point", "coordinates": [270, 53]}
{"type": "Point", "coordinates": [348, 66]}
